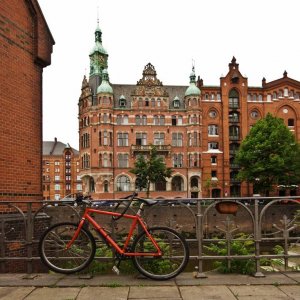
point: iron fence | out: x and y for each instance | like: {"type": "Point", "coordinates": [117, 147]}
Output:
{"type": "Point", "coordinates": [265, 222]}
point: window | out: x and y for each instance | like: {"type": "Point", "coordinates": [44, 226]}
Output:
{"type": "Point", "coordinates": [56, 163]}
{"type": "Point", "coordinates": [177, 160]}
{"type": "Point", "coordinates": [78, 177]}
{"type": "Point", "coordinates": [174, 121]}
{"type": "Point", "coordinates": [159, 138]}
{"type": "Point", "coordinates": [123, 139]}
{"type": "Point", "coordinates": [144, 120]}
{"type": "Point", "coordinates": [254, 114]}
{"type": "Point", "coordinates": [105, 160]}
{"type": "Point", "coordinates": [105, 138]}
{"type": "Point", "coordinates": [213, 160]}
{"type": "Point", "coordinates": [105, 118]}
{"type": "Point", "coordinates": [56, 196]}
{"type": "Point", "coordinates": [153, 102]}
{"type": "Point", "coordinates": [137, 120]}
{"type": "Point", "coordinates": [122, 160]}
{"type": "Point", "coordinates": [213, 130]}
{"type": "Point", "coordinates": [57, 187]}
{"type": "Point", "coordinates": [274, 95]}
{"type": "Point", "coordinates": [213, 145]}
{"type": "Point", "coordinates": [177, 184]}
{"type": "Point", "coordinates": [85, 161]}
{"type": "Point", "coordinates": [85, 140]}
{"type": "Point", "coordinates": [218, 96]}
{"type": "Point", "coordinates": [123, 184]}
{"type": "Point", "coordinates": [56, 170]}
{"type": "Point", "coordinates": [56, 178]}
{"type": "Point", "coordinates": [158, 120]}
{"type": "Point", "coordinates": [177, 139]}
{"type": "Point", "coordinates": [260, 98]}
{"type": "Point", "coordinates": [234, 132]}
{"type": "Point", "coordinates": [291, 122]}
{"type": "Point", "coordinates": [234, 99]}
{"type": "Point", "coordinates": [285, 92]}
{"type": "Point", "coordinates": [212, 114]}
{"type": "Point", "coordinates": [176, 103]}
{"type": "Point", "coordinates": [213, 174]}
{"type": "Point", "coordinates": [141, 139]}
{"type": "Point", "coordinates": [105, 186]}
{"type": "Point", "coordinates": [122, 119]}
{"type": "Point", "coordinates": [122, 101]}
{"type": "Point", "coordinates": [193, 139]}
{"type": "Point", "coordinates": [79, 187]}
{"type": "Point", "coordinates": [194, 160]}
{"type": "Point", "coordinates": [234, 117]}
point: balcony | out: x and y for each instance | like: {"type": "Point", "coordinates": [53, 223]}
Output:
{"type": "Point", "coordinates": [234, 137]}
{"type": "Point", "coordinates": [234, 120]}
{"type": "Point", "coordinates": [147, 148]}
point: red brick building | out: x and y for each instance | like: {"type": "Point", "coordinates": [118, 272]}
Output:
{"type": "Point", "coordinates": [60, 170]}
{"type": "Point", "coordinates": [25, 49]}
{"type": "Point", "coordinates": [197, 128]}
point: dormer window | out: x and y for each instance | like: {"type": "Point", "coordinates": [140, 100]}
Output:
{"type": "Point", "coordinates": [122, 101]}
{"type": "Point", "coordinates": [176, 103]}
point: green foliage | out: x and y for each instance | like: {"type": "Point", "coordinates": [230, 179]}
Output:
{"type": "Point", "coordinates": [150, 170]}
{"type": "Point", "coordinates": [241, 245]}
{"type": "Point", "coordinates": [269, 155]}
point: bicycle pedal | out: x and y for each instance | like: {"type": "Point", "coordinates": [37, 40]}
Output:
{"type": "Point", "coordinates": [116, 270]}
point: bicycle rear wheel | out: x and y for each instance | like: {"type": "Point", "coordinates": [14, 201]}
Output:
{"type": "Point", "coordinates": [173, 260]}
{"type": "Point", "coordinates": [55, 256]}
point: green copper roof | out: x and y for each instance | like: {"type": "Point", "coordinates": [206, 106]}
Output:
{"type": "Point", "coordinates": [98, 42]}
{"type": "Point", "coordinates": [104, 87]}
{"type": "Point", "coordinates": [192, 89]}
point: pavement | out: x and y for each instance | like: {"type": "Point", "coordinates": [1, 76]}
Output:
{"type": "Point", "coordinates": [273, 286]}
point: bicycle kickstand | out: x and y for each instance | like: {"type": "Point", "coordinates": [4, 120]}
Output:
{"type": "Point", "coordinates": [115, 268]}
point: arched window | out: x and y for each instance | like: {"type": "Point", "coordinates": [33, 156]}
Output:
{"type": "Point", "coordinates": [177, 184]}
{"type": "Point", "coordinates": [105, 186]}
{"type": "Point", "coordinates": [144, 120]}
{"type": "Point", "coordinates": [123, 184]}
{"type": "Point", "coordinates": [137, 120]}
{"type": "Point", "coordinates": [194, 182]}
{"type": "Point", "coordinates": [91, 185]}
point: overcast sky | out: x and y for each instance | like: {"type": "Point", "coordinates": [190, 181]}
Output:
{"type": "Point", "coordinates": [262, 35]}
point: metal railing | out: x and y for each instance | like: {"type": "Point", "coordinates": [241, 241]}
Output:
{"type": "Point", "coordinates": [267, 221]}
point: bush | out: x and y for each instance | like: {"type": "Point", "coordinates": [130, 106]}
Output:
{"type": "Point", "coordinates": [242, 245]}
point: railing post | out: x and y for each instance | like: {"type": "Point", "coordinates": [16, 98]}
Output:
{"type": "Point", "coordinates": [2, 245]}
{"type": "Point", "coordinates": [257, 238]}
{"type": "Point", "coordinates": [199, 234]}
{"type": "Point", "coordinates": [29, 238]}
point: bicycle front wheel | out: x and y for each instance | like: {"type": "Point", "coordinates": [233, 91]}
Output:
{"type": "Point", "coordinates": [175, 253]}
{"type": "Point", "coordinates": [55, 256]}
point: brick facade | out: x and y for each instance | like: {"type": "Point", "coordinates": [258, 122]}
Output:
{"type": "Point", "coordinates": [197, 133]}
{"type": "Point", "coordinates": [60, 170]}
{"type": "Point", "coordinates": [25, 49]}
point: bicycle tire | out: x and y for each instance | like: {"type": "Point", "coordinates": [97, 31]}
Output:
{"type": "Point", "coordinates": [67, 261]}
{"type": "Point", "coordinates": [175, 253]}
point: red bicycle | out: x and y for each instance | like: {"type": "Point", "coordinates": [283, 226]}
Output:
{"type": "Point", "coordinates": [158, 253]}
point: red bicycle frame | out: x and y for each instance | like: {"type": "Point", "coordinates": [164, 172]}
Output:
{"type": "Point", "coordinates": [136, 220]}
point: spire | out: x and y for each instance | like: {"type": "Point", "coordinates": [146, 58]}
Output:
{"type": "Point", "coordinates": [192, 89]}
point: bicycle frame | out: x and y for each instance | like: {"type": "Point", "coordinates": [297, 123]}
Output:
{"type": "Point", "coordinates": [136, 220]}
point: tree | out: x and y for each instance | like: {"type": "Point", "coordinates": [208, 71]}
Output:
{"type": "Point", "coordinates": [269, 155]}
{"type": "Point", "coordinates": [150, 170]}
